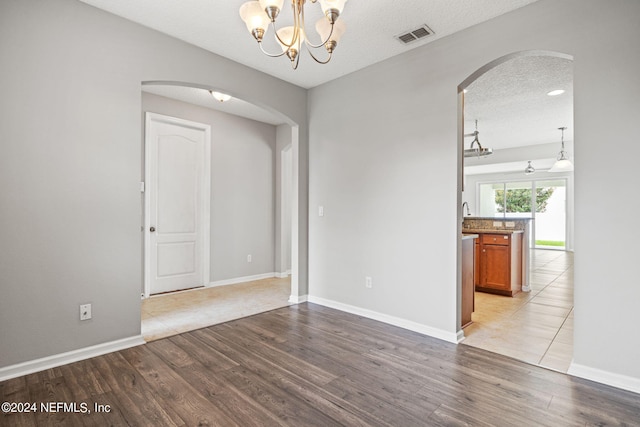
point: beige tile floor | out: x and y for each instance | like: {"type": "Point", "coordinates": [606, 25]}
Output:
{"type": "Point", "coordinates": [178, 312]}
{"type": "Point", "coordinates": [536, 327]}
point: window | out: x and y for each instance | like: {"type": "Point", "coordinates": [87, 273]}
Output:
{"type": "Point", "coordinates": [545, 201]}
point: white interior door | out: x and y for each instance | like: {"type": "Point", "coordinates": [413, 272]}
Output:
{"type": "Point", "coordinates": [177, 194]}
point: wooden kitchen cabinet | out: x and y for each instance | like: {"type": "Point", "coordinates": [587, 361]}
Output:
{"type": "Point", "coordinates": [500, 263]}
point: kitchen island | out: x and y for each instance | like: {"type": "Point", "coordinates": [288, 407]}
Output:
{"type": "Point", "coordinates": [501, 254]}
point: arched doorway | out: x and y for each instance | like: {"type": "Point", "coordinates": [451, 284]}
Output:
{"type": "Point", "coordinates": [274, 138]}
{"type": "Point", "coordinates": [518, 118]}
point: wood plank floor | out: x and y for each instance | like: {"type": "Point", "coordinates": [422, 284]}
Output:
{"type": "Point", "coordinates": [307, 365]}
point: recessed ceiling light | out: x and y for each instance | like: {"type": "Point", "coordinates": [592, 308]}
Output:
{"type": "Point", "coordinates": [556, 92]}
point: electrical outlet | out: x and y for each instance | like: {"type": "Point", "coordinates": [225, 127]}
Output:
{"type": "Point", "coordinates": [368, 282]}
{"type": "Point", "coordinates": [497, 223]}
{"type": "Point", "coordinates": [320, 210]}
{"type": "Point", "coordinates": [249, 258]}
{"type": "Point", "coordinates": [510, 224]}
{"type": "Point", "coordinates": [85, 311]}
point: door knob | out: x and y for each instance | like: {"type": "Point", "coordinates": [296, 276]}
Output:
{"type": "Point", "coordinates": [152, 229]}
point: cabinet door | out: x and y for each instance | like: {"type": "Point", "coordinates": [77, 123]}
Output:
{"type": "Point", "coordinates": [497, 272]}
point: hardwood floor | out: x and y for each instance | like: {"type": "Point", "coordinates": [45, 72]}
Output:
{"type": "Point", "coordinates": [307, 365]}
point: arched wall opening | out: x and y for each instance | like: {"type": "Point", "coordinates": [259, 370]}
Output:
{"type": "Point", "coordinates": [462, 87]}
{"type": "Point", "coordinates": [286, 202]}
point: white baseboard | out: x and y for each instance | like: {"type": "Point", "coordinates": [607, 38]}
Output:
{"type": "Point", "coordinates": [240, 280]}
{"type": "Point", "coordinates": [605, 377]}
{"type": "Point", "coordinates": [283, 275]}
{"type": "Point", "coordinates": [385, 318]}
{"type": "Point", "coordinates": [55, 360]}
{"type": "Point", "coordinates": [295, 299]}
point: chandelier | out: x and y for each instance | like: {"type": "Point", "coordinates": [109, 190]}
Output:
{"type": "Point", "coordinates": [258, 13]}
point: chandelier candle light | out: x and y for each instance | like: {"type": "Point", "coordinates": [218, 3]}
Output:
{"type": "Point", "coordinates": [257, 14]}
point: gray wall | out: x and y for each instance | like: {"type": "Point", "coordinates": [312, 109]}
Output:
{"type": "Point", "coordinates": [283, 180]}
{"type": "Point", "coordinates": [70, 135]}
{"type": "Point", "coordinates": [385, 164]}
{"type": "Point", "coordinates": [242, 187]}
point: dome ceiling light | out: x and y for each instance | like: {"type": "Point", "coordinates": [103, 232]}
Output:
{"type": "Point", "coordinates": [222, 97]}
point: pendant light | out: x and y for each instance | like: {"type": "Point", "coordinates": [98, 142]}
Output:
{"type": "Point", "coordinates": [563, 164]}
{"type": "Point", "coordinates": [478, 151]}
{"type": "Point", "coordinates": [529, 170]}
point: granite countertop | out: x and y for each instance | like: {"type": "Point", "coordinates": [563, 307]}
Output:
{"type": "Point", "coordinates": [490, 230]}
{"type": "Point", "coordinates": [493, 218]}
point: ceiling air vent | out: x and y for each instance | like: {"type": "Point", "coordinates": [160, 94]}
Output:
{"type": "Point", "coordinates": [415, 34]}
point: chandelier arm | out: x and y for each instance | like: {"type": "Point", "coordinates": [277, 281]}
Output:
{"type": "Point", "coordinates": [289, 46]}
{"type": "Point", "coordinates": [317, 60]}
{"type": "Point", "coordinates": [272, 55]}
{"type": "Point", "coordinates": [298, 20]}
{"type": "Point", "coordinates": [294, 64]}
{"type": "Point", "coordinates": [306, 39]}
{"type": "Point", "coordinates": [321, 44]}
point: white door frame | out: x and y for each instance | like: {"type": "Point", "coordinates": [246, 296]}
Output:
{"type": "Point", "coordinates": [205, 206]}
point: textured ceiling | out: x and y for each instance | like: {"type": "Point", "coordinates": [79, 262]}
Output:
{"type": "Point", "coordinates": [215, 25]}
{"type": "Point", "coordinates": [512, 107]}
{"type": "Point", "coordinates": [509, 101]}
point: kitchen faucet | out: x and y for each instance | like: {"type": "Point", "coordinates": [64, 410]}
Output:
{"type": "Point", "coordinates": [463, 206]}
